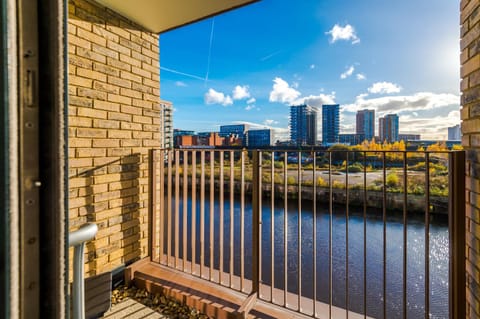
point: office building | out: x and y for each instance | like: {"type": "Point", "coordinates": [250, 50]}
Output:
{"type": "Point", "coordinates": [209, 139]}
{"type": "Point", "coordinates": [303, 125]}
{"type": "Point", "coordinates": [454, 133]}
{"type": "Point", "coordinates": [388, 127]}
{"type": "Point", "coordinates": [235, 131]}
{"type": "Point", "coordinates": [260, 138]}
{"type": "Point", "coordinates": [351, 139]}
{"type": "Point", "coordinates": [408, 137]}
{"type": "Point", "coordinates": [330, 124]}
{"type": "Point", "coordinates": [366, 123]}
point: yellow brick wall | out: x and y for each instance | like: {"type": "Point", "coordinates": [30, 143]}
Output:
{"type": "Point", "coordinates": [470, 114]}
{"type": "Point", "coordinates": [114, 119]}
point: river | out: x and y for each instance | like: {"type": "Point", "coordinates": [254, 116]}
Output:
{"type": "Point", "coordinates": [374, 225]}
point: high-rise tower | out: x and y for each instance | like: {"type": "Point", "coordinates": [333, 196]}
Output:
{"type": "Point", "coordinates": [303, 124]}
{"type": "Point", "coordinates": [388, 128]}
{"type": "Point", "coordinates": [330, 123]}
{"type": "Point", "coordinates": [366, 124]}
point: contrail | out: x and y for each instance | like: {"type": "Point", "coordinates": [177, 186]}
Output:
{"type": "Point", "coordinates": [210, 50]}
{"type": "Point", "coordinates": [270, 55]}
{"type": "Point", "coordinates": [182, 73]}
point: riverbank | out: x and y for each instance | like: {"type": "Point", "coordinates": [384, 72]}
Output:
{"type": "Point", "coordinates": [356, 197]}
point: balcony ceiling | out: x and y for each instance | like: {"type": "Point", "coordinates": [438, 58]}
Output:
{"type": "Point", "coordinates": [162, 15]}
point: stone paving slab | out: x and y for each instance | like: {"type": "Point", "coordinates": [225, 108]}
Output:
{"type": "Point", "coordinates": [131, 309]}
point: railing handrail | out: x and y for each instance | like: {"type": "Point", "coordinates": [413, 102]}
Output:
{"type": "Point", "coordinates": [77, 239]}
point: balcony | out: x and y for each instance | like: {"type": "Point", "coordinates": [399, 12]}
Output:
{"type": "Point", "coordinates": [323, 234]}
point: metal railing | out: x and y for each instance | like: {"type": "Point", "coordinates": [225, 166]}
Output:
{"type": "Point", "coordinates": [315, 231]}
{"type": "Point", "coordinates": [77, 240]}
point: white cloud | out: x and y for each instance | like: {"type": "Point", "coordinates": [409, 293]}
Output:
{"type": "Point", "coordinates": [420, 101]}
{"type": "Point", "coordinates": [180, 83]}
{"type": "Point", "coordinates": [425, 113]}
{"type": "Point", "coordinates": [282, 92]}
{"type": "Point", "coordinates": [317, 100]}
{"type": "Point", "coordinates": [361, 76]}
{"type": "Point", "coordinates": [312, 66]}
{"type": "Point", "coordinates": [345, 33]}
{"type": "Point", "coordinates": [251, 100]}
{"type": "Point", "coordinates": [384, 88]}
{"type": "Point", "coordinates": [250, 107]}
{"type": "Point", "coordinates": [270, 122]}
{"type": "Point", "coordinates": [433, 128]}
{"type": "Point", "coordinates": [348, 72]}
{"type": "Point", "coordinates": [214, 97]}
{"type": "Point", "coordinates": [240, 92]}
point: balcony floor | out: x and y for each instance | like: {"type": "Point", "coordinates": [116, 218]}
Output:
{"type": "Point", "coordinates": [131, 309]}
{"type": "Point", "coordinates": [212, 299]}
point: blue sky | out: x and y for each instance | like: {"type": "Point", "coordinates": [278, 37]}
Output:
{"type": "Point", "coordinates": [249, 65]}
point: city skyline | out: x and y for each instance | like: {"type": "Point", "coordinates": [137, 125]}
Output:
{"type": "Point", "coordinates": [250, 65]}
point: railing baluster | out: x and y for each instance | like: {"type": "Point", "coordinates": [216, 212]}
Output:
{"type": "Point", "coordinates": [202, 212]}
{"type": "Point", "coordinates": [314, 175]}
{"type": "Point", "coordinates": [256, 177]}
{"type": "Point", "coordinates": [260, 226]}
{"type": "Point", "coordinates": [221, 223]}
{"type": "Point", "coordinates": [232, 172]}
{"type": "Point", "coordinates": [177, 206]}
{"type": "Point", "coordinates": [330, 227]}
{"type": "Point", "coordinates": [285, 225]}
{"type": "Point", "coordinates": [162, 205]}
{"type": "Point", "coordinates": [272, 225]}
{"type": "Point", "coordinates": [194, 213]}
{"type": "Point", "coordinates": [347, 216]}
{"type": "Point", "coordinates": [365, 197]}
{"type": "Point", "coordinates": [384, 218]}
{"type": "Point", "coordinates": [299, 237]}
{"type": "Point", "coordinates": [427, 235]}
{"type": "Point", "coordinates": [405, 238]}
{"type": "Point", "coordinates": [169, 207]}
{"type": "Point", "coordinates": [242, 220]}
{"type": "Point", "coordinates": [185, 209]}
{"type": "Point", "coordinates": [153, 205]}
{"type": "Point", "coordinates": [212, 206]}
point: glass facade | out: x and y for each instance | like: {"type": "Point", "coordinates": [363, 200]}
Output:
{"type": "Point", "coordinates": [303, 125]}
{"type": "Point", "coordinates": [330, 124]}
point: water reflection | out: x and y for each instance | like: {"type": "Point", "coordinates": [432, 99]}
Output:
{"type": "Point", "coordinates": [362, 233]}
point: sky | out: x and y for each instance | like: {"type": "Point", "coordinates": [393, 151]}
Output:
{"type": "Point", "coordinates": [249, 65]}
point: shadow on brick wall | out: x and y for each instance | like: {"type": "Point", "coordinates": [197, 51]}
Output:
{"type": "Point", "coordinates": [114, 205]}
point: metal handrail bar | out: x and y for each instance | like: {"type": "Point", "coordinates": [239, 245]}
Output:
{"type": "Point", "coordinates": [77, 240]}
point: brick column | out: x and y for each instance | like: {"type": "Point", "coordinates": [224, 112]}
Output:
{"type": "Point", "coordinates": [470, 114]}
{"type": "Point", "coordinates": [114, 119]}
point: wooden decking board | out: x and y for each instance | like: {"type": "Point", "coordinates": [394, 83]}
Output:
{"type": "Point", "coordinates": [222, 302]}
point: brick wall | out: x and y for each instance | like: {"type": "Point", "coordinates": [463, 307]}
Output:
{"type": "Point", "coordinates": [470, 114]}
{"type": "Point", "coordinates": [114, 119]}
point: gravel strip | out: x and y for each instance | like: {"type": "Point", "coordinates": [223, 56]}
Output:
{"type": "Point", "coordinates": [158, 302]}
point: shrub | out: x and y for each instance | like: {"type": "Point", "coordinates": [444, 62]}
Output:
{"type": "Point", "coordinates": [321, 182]}
{"type": "Point", "coordinates": [291, 180]}
{"type": "Point", "coordinates": [355, 168]}
{"type": "Point", "coordinates": [338, 184]}
{"type": "Point", "coordinates": [392, 180]}
{"type": "Point", "coordinates": [277, 179]}
{"type": "Point", "coordinates": [278, 164]}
